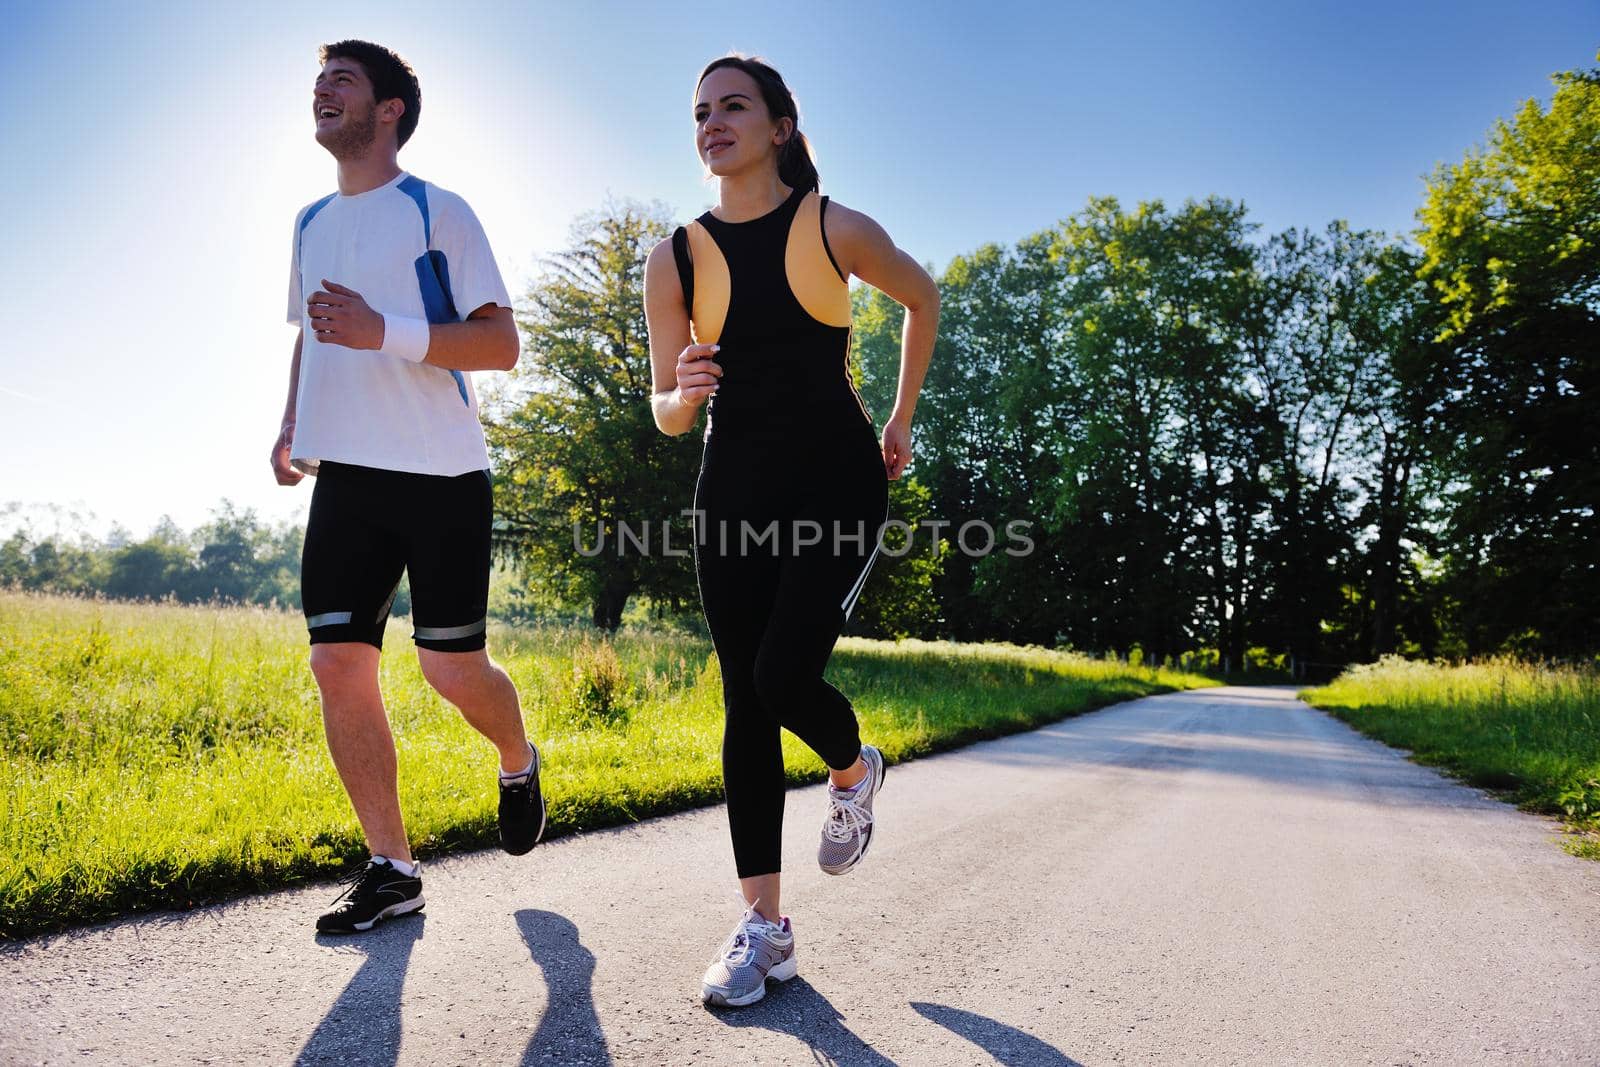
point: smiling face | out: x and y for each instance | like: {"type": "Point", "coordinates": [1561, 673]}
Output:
{"type": "Point", "coordinates": [734, 131]}
{"type": "Point", "coordinates": [343, 107]}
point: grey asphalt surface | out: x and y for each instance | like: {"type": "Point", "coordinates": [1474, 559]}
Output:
{"type": "Point", "coordinates": [1222, 876]}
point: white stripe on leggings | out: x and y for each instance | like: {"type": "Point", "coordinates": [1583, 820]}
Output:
{"type": "Point", "coordinates": [849, 603]}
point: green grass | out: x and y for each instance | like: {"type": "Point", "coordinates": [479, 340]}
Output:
{"type": "Point", "coordinates": [157, 756]}
{"type": "Point", "coordinates": [1529, 733]}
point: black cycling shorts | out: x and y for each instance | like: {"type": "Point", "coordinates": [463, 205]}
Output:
{"type": "Point", "coordinates": [369, 526]}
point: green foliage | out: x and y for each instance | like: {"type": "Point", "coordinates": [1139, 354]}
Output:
{"type": "Point", "coordinates": [154, 756]}
{"type": "Point", "coordinates": [902, 601]}
{"type": "Point", "coordinates": [1207, 436]}
{"type": "Point", "coordinates": [1336, 433]}
{"type": "Point", "coordinates": [1153, 300]}
{"type": "Point", "coordinates": [983, 428]}
{"type": "Point", "coordinates": [600, 687]}
{"type": "Point", "coordinates": [1220, 442]}
{"type": "Point", "coordinates": [575, 445]}
{"type": "Point", "coordinates": [1528, 730]}
{"type": "Point", "coordinates": [234, 558]}
{"type": "Point", "coordinates": [1511, 242]}
{"type": "Point", "coordinates": [1516, 224]}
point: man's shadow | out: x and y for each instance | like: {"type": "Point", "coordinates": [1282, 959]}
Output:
{"type": "Point", "coordinates": [363, 1026]}
{"type": "Point", "coordinates": [569, 1031]}
{"type": "Point", "coordinates": [797, 1009]}
{"type": "Point", "coordinates": [1008, 1045]}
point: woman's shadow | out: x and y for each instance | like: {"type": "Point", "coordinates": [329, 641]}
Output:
{"type": "Point", "coordinates": [569, 1031]}
{"type": "Point", "coordinates": [797, 1009]}
{"type": "Point", "coordinates": [1008, 1045]}
{"type": "Point", "coordinates": [363, 1026]}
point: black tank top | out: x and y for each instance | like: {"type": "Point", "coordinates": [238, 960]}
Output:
{"type": "Point", "coordinates": [770, 294]}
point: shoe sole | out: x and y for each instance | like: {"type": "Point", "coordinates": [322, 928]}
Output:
{"type": "Point", "coordinates": [780, 973]}
{"type": "Point", "coordinates": [883, 775]}
{"type": "Point", "coordinates": [393, 911]}
{"type": "Point", "coordinates": [544, 810]}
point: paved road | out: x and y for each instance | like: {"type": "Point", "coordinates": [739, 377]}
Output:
{"type": "Point", "coordinates": [1223, 876]}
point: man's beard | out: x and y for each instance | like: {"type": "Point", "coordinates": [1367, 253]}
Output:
{"type": "Point", "coordinates": [353, 136]}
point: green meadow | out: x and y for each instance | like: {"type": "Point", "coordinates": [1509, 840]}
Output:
{"type": "Point", "coordinates": [1529, 733]}
{"type": "Point", "coordinates": [157, 756]}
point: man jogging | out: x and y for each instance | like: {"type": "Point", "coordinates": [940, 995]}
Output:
{"type": "Point", "coordinates": [397, 297]}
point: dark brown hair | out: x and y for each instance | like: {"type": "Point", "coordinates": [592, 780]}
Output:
{"type": "Point", "coordinates": [796, 166]}
{"type": "Point", "coordinates": [392, 78]}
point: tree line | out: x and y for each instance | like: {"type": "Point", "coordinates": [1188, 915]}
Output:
{"type": "Point", "coordinates": [234, 557]}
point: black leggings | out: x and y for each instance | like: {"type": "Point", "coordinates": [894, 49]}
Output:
{"type": "Point", "coordinates": [787, 534]}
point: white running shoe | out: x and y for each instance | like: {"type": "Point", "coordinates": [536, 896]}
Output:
{"type": "Point", "coordinates": [756, 951]}
{"type": "Point", "coordinates": [847, 831]}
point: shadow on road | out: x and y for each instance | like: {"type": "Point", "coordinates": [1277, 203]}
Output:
{"type": "Point", "coordinates": [797, 1009]}
{"type": "Point", "coordinates": [1008, 1045]}
{"type": "Point", "coordinates": [363, 1026]}
{"type": "Point", "coordinates": [569, 1031]}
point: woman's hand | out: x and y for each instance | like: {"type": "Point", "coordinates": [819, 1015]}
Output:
{"type": "Point", "coordinates": [896, 446]}
{"type": "Point", "coordinates": [697, 374]}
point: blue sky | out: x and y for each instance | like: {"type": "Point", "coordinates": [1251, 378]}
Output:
{"type": "Point", "coordinates": [155, 154]}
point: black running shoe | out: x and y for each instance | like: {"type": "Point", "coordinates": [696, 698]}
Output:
{"type": "Point", "coordinates": [377, 892]}
{"type": "Point", "coordinates": [522, 811]}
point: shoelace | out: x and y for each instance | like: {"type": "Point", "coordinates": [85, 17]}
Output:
{"type": "Point", "coordinates": [355, 880]}
{"type": "Point", "coordinates": [846, 817]}
{"type": "Point", "coordinates": [740, 946]}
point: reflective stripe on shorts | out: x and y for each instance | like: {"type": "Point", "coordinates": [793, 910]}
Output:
{"type": "Point", "coordinates": [449, 633]}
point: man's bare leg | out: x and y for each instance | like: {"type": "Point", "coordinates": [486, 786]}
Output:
{"type": "Point", "coordinates": [359, 740]}
{"type": "Point", "coordinates": [485, 696]}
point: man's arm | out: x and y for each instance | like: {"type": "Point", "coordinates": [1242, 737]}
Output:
{"type": "Point", "coordinates": [281, 469]}
{"type": "Point", "coordinates": [487, 340]}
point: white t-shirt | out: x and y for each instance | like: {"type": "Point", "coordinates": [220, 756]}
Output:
{"type": "Point", "coordinates": [411, 249]}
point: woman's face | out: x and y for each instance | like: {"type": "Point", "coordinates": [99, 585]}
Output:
{"type": "Point", "coordinates": [734, 131]}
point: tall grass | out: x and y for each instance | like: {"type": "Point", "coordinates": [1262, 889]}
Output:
{"type": "Point", "coordinates": [158, 756]}
{"type": "Point", "coordinates": [1529, 732]}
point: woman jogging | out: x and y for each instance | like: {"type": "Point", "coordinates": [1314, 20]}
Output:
{"type": "Point", "coordinates": [792, 493]}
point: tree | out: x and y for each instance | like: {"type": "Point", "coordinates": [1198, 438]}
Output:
{"type": "Point", "coordinates": [232, 559]}
{"type": "Point", "coordinates": [983, 431]}
{"type": "Point", "coordinates": [1394, 319]}
{"type": "Point", "coordinates": [578, 454]}
{"type": "Point", "coordinates": [150, 569]}
{"type": "Point", "coordinates": [1152, 301]}
{"type": "Point", "coordinates": [16, 560]}
{"type": "Point", "coordinates": [898, 600]}
{"type": "Point", "coordinates": [1511, 250]}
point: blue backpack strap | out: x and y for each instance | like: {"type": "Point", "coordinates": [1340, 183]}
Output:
{"type": "Point", "coordinates": [433, 273]}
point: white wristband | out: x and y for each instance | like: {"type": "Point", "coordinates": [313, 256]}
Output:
{"type": "Point", "coordinates": [405, 338]}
